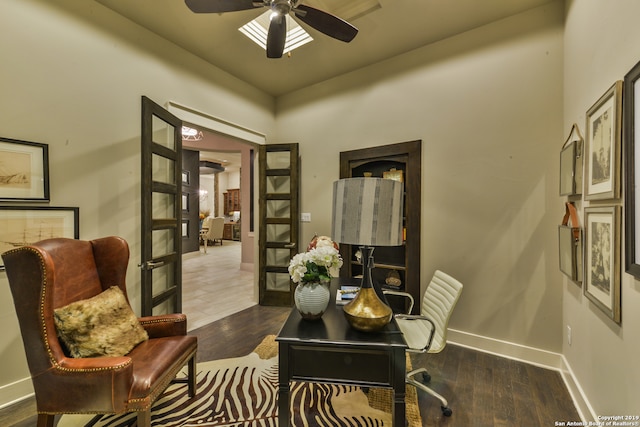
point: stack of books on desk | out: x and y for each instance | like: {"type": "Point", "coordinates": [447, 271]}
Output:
{"type": "Point", "coordinates": [346, 293]}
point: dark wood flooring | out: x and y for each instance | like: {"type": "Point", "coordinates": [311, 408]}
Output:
{"type": "Point", "coordinates": [487, 390]}
{"type": "Point", "coordinates": [482, 389]}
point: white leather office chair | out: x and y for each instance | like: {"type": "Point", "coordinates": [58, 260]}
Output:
{"type": "Point", "coordinates": [427, 332]}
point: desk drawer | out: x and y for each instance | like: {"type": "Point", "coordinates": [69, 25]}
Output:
{"type": "Point", "coordinates": [340, 364]}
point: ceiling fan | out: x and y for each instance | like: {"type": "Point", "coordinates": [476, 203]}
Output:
{"type": "Point", "coordinates": [322, 21]}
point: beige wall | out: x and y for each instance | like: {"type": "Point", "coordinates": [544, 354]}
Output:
{"type": "Point", "coordinates": [487, 106]}
{"type": "Point", "coordinates": [492, 107]}
{"type": "Point", "coordinates": [601, 46]}
{"type": "Point", "coordinates": [72, 77]}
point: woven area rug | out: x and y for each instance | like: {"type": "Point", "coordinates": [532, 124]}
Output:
{"type": "Point", "coordinates": [242, 392]}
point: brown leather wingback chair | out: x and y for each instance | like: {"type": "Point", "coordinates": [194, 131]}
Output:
{"type": "Point", "coordinates": [55, 272]}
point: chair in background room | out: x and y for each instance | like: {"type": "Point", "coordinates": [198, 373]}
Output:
{"type": "Point", "coordinates": [427, 332]}
{"type": "Point", "coordinates": [60, 286]}
{"type": "Point", "coordinates": [204, 229]}
{"type": "Point", "coordinates": [212, 231]}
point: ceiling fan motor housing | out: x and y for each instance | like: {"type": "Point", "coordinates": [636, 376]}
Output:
{"type": "Point", "coordinates": [281, 7]}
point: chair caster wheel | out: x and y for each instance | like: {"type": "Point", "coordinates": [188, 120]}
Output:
{"type": "Point", "coordinates": [426, 377]}
{"type": "Point", "coordinates": [446, 411]}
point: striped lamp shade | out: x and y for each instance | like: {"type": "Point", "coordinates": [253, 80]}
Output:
{"type": "Point", "coordinates": [367, 211]}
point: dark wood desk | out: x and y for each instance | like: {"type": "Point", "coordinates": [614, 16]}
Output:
{"type": "Point", "coordinates": [329, 350]}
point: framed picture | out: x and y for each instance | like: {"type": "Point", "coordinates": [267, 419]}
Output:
{"type": "Point", "coordinates": [602, 275]}
{"type": "Point", "coordinates": [571, 164]}
{"type": "Point", "coordinates": [20, 226]}
{"type": "Point", "coordinates": [185, 228]}
{"type": "Point", "coordinates": [570, 252]}
{"type": "Point", "coordinates": [631, 125]}
{"type": "Point", "coordinates": [185, 202]}
{"type": "Point", "coordinates": [604, 129]}
{"type": "Point", "coordinates": [24, 170]}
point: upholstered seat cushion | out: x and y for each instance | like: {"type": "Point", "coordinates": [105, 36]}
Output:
{"type": "Point", "coordinates": [416, 332]}
{"type": "Point", "coordinates": [149, 380]}
{"type": "Point", "coordinates": [103, 325]}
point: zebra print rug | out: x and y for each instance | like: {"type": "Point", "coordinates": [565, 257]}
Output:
{"type": "Point", "coordinates": [242, 392]}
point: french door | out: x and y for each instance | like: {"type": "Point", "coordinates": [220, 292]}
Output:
{"type": "Point", "coordinates": [162, 228]}
{"type": "Point", "coordinates": [279, 216]}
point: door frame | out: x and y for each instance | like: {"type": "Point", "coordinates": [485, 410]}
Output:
{"type": "Point", "coordinates": [199, 118]}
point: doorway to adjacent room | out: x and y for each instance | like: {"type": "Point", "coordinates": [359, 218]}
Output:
{"type": "Point", "coordinates": [215, 284]}
{"type": "Point", "coordinates": [220, 281]}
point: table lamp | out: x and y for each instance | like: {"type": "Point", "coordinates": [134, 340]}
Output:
{"type": "Point", "coordinates": [367, 212]}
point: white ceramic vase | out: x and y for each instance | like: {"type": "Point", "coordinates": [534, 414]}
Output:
{"type": "Point", "coordinates": [312, 299]}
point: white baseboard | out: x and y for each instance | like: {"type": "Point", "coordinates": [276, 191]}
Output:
{"type": "Point", "coordinates": [543, 358]}
{"type": "Point", "coordinates": [15, 392]}
{"type": "Point", "coordinates": [577, 394]}
{"type": "Point", "coordinates": [531, 355]}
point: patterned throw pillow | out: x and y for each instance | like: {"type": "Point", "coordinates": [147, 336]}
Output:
{"type": "Point", "coordinates": [103, 325]}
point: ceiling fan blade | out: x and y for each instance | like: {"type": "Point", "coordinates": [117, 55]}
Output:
{"type": "Point", "coordinates": [326, 23]}
{"type": "Point", "coordinates": [276, 36]}
{"type": "Point", "coordinates": [220, 6]}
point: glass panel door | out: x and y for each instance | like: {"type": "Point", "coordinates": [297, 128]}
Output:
{"type": "Point", "coordinates": [279, 213]}
{"type": "Point", "coordinates": [161, 210]}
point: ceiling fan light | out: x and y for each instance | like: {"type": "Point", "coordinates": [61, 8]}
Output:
{"type": "Point", "coordinates": [281, 7]}
{"type": "Point", "coordinates": [258, 29]}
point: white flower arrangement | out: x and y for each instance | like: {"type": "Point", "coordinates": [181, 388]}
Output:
{"type": "Point", "coordinates": [318, 264]}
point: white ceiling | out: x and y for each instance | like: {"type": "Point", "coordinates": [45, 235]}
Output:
{"type": "Point", "coordinates": [398, 26]}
